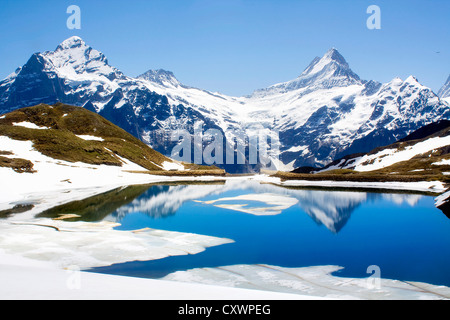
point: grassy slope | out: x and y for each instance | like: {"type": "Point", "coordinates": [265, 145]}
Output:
{"type": "Point", "coordinates": [418, 168]}
{"type": "Point", "coordinates": [60, 141]}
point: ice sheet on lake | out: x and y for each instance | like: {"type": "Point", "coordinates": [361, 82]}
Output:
{"type": "Point", "coordinates": [424, 186]}
{"type": "Point", "coordinates": [87, 245]}
{"type": "Point", "coordinates": [312, 281]}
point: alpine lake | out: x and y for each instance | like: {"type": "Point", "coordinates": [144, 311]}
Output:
{"type": "Point", "coordinates": [403, 234]}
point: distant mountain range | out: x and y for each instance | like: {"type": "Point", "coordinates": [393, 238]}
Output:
{"type": "Point", "coordinates": [325, 113]}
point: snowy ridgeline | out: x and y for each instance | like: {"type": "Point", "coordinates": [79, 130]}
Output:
{"type": "Point", "coordinates": [326, 112]}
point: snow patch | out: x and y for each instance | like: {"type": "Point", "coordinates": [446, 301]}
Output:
{"type": "Point", "coordinates": [28, 125]}
{"type": "Point", "coordinates": [443, 162]}
{"type": "Point", "coordinates": [90, 138]}
{"type": "Point", "coordinates": [172, 166]}
{"type": "Point", "coordinates": [297, 149]}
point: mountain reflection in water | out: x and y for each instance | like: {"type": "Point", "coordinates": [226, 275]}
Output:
{"type": "Point", "coordinates": [329, 208]}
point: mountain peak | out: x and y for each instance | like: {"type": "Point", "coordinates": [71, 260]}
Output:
{"type": "Point", "coordinates": [160, 76]}
{"type": "Point", "coordinates": [73, 53]}
{"type": "Point", "coordinates": [72, 42]}
{"type": "Point", "coordinates": [332, 59]}
{"type": "Point", "coordinates": [334, 54]}
{"type": "Point", "coordinates": [332, 70]}
{"type": "Point", "coordinates": [412, 79]}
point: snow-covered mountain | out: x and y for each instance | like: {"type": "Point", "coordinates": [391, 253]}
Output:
{"type": "Point", "coordinates": [79, 75]}
{"type": "Point", "coordinates": [444, 92]}
{"type": "Point", "coordinates": [325, 113]}
{"type": "Point", "coordinates": [323, 73]}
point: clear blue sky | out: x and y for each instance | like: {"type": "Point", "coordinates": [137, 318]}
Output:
{"type": "Point", "coordinates": [236, 46]}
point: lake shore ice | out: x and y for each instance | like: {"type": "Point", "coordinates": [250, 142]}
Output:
{"type": "Point", "coordinates": [315, 281]}
{"type": "Point", "coordinates": [88, 245]}
{"type": "Point", "coordinates": [23, 278]}
{"type": "Point", "coordinates": [422, 186]}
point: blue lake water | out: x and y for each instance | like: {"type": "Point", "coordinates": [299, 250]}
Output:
{"type": "Point", "coordinates": [403, 234]}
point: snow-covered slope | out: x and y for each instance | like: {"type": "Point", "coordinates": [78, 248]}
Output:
{"type": "Point", "coordinates": [64, 151]}
{"type": "Point", "coordinates": [325, 113]}
{"type": "Point", "coordinates": [414, 154]}
{"type": "Point", "coordinates": [388, 157]}
{"type": "Point", "coordinates": [53, 147]}
{"type": "Point", "coordinates": [222, 110]}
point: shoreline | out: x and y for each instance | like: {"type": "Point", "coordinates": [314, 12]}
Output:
{"type": "Point", "coordinates": [52, 197]}
{"type": "Point", "coordinates": [27, 279]}
{"type": "Point", "coordinates": [15, 267]}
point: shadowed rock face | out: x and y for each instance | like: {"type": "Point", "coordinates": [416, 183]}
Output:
{"type": "Point", "coordinates": [445, 208]}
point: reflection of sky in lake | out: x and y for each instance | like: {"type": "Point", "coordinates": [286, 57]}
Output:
{"type": "Point", "coordinates": [404, 234]}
